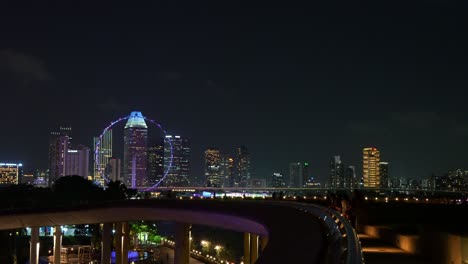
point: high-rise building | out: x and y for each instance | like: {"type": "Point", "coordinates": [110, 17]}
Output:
{"type": "Point", "coordinates": [213, 173]}
{"type": "Point", "coordinates": [10, 173]}
{"type": "Point", "coordinates": [59, 143]}
{"type": "Point", "coordinates": [28, 178]}
{"type": "Point", "coordinates": [336, 173]}
{"type": "Point", "coordinates": [135, 151]}
{"type": "Point", "coordinates": [394, 182]}
{"type": "Point", "coordinates": [77, 162]}
{"type": "Point", "coordinates": [383, 171]}
{"type": "Point", "coordinates": [179, 172]}
{"type": "Point", "coordinates": [243, 167]}
{"type": "Point", "coordinates": [415, 184]}
{"type": "Point", "coordinates": [425, 184]}
{"type": "Point", "coordinates": [113, 169]}
{"type": "Point", "coordinates": [298, 174]}
{"type": "Point", "coordinates": [305, 173]}
{"type": "Point", "coordinates": [40, 178]}
{"type": "Point", "coordinates": [227, 170]}
{"type": "Point", "coordinates": [105, 153]}
{"type": "Point", "coordinates": [155, 162]}
{"type": "Point", "coordinates": [371, 170]}
{"type": "Point", "coordinates": [277, 180]}
{"type": "Point", "coordinates": [312, 183]}
{"type": "Point", "coordinates": [257, 183]}
{"type": "Point", "coordinates": [350, 180]}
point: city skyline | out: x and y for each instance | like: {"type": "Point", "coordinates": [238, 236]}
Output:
{"type": "Point", "coordinates": [302, 83]}
{"type": "Point", "coordinates": [64, 135]}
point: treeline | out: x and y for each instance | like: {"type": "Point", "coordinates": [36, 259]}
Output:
{"type": "Point", "coordinates": [66, 191]}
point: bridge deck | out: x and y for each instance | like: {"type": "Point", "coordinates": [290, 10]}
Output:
{"type": "Point", "coordinates": [294, 236]}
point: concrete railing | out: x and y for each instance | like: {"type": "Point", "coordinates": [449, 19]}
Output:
{"type": "Point", "coordinates": [342, 236]}
{"type": "Point", "coordinates": [438, 246]}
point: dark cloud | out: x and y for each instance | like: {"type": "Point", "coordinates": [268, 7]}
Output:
{"type": "Point", "coordinates": [429, 120]}
{"type": "Point", "coordinates": [113, 105]}
{"type": "Point", "coordinates": [170, 76]}
{"type": "Point", "coordinates": [412, 122]}
{"type": "Point", "coordinates": [417, 119]}
{"type": "Point", "coordinates": [218, 90]}
{"type": "Point", "coordinates": [22, 67]}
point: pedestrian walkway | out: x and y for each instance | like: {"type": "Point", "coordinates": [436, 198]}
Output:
{"type": "Point", "coordinates": [167, 256]}
{"type": "Point", "coordinates": [379, 252]}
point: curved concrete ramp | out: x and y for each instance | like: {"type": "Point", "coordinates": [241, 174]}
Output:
{"type": "Point", "coordinates": [294, 236]}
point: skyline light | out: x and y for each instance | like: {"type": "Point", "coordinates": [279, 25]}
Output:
{"type": "Point", "coordinates": [392, 180]}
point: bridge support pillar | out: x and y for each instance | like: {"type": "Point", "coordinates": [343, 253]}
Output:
{"type": "Point", "coordinates": [34, 246]}
{"type": "Point", "coordinates": [182, 244]}
{"type": "Point", "coordinates": [263, 243]}
{"type": "Point", "coordinates": [246, 248]}
{"type": "Point", "coordinates": [118, 243]}
{"type": "Point", "coordinates": [253, 248]}
{"type": "Point", "coordinates": [125, 241]}
{"type": "Point", "coordinates": [57, 243]}
{"type": "Point", "coordinates": [106, 242]}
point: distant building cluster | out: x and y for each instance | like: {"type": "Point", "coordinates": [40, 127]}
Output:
{"type": "Point", "coordinates": [374, 172]}
{"type": "Point", "coordinates": [147, 160]}
{"type": "Point", "coordinates": [452, 181]}
{"type": "Point", "coordinates": [342, 176]}
{"type": "Point", "coordinates": [224, 170]}
{"type": "Point", "coordinates": [299, 177]}
{"type": "Point", "coordinates": [65, 158]}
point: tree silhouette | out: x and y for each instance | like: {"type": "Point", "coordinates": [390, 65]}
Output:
{"type": "Point", "coordinates": [116, 190]}
{"type": "Point", "coordinates": [23, 196]}
{"type": "Point", "coordinates": [76, 189]}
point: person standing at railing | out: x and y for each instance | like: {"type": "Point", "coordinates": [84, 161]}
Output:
{"type": "Point", "coordinates": [334, 202]}
{"type": "Point", "coordinates": [348, 211]}
{"type": "Point", "coordinates": [345, 207]}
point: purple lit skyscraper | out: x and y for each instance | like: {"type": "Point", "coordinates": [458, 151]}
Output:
{"type": "Point", "coordinates": [58, 147]}
{"type": "Point", "coordinates": [135, 151]}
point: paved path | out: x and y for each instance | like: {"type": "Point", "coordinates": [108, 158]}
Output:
{"type": "Point", "coordinates": [379, 252]}
{"type": "Point", "coordinates": [170, 252]}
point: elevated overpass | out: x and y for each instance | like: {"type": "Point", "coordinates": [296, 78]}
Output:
{"type": "Point", "coordinates": [275, 232]}
{"type": "Point", "coordinates": [298, 190]}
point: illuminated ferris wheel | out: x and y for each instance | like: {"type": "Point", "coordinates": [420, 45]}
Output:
{"type": "Point", "coordinates": [135, 121]}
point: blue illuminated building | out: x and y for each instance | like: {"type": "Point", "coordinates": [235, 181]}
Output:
{"type": "Point", "coordinates": [135, 151]}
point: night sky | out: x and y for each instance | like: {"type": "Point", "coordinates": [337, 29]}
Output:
{"type": "Point", "coordinates": [302, 82]}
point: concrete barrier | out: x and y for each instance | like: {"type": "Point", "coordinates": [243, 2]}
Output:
{"type": "Point", "coordinates": [381, 232]}
{"type": "Point", "coordinates": [439, 247]}
{"type": "Point", "coordinates": [408, 243]}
